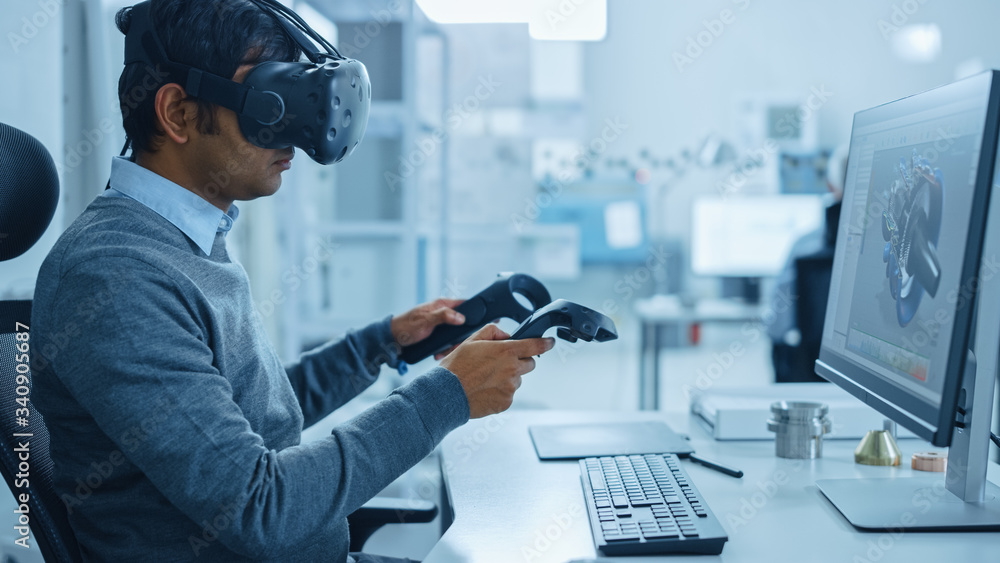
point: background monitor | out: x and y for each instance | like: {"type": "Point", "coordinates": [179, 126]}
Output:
{"type": "Point", "coordinates": [750, 236]}
{"type": "Point", "coordinates": [898, 329]}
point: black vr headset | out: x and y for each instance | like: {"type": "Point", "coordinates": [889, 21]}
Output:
{"type": "Point", "coordinates": [320, 106]}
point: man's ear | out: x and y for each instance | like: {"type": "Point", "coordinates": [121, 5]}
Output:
{"type": "Point", "coordinates": [175, 113]}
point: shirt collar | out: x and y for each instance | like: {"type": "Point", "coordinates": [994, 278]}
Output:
{"type": "Point", "coordinates": [195, 217]}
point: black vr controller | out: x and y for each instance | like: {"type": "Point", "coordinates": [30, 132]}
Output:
{"type": "Point", "coordinates": [498, 301]}
{"type": "Point", "coordinates": [495, 302]}
{"type": "Point", "coordinates": [575, 322]}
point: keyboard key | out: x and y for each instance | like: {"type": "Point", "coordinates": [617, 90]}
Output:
{"type": "Point", "coordinates": [659, 535]}
{"type": "Point", "coordinates": [596, 480]}
{"type": "Point", "coordinates": [619, 501]}
{"type": "Point", "coordinates": [621, 537]}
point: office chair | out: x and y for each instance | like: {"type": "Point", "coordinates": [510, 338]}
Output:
{"type": "Point", "coordinates": [29, 193]}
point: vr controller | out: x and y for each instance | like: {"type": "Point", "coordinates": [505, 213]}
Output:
{"type": "Point", "coordinates": [495, 302]}
{"type": "Point", "coordinates": [575, 322]}
{"type": "Point", "coordinates": [498, 301]}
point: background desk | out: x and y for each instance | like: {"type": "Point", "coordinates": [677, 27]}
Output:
{"type": "Point", "coordinates": [509, 507]}
{"type": "Point", "coordinates": [666, 320]}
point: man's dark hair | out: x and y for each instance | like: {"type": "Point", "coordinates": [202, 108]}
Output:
{"type": "Point", "coordinates": [217, 36]}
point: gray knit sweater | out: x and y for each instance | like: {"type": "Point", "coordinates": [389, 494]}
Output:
{"type": "Point", "coordinates": [175, 429]}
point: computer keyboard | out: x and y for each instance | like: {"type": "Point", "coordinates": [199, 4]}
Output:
{"type": "Point", "coordinates": [646, 504]}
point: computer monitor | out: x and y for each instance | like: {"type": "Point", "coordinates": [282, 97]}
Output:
{"type": "Point", "coordinates": [913, 318]}
{"type": "Point", "coordinates": [749, 236]}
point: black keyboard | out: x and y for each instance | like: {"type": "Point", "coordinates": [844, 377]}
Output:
{"type": "Point", "coordinates": [646, 504]}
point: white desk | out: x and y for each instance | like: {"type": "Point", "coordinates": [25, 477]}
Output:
{"type": "Point", "coordinates": [662, 311]}
{"type": "Point", "coordinates": [505, 501]}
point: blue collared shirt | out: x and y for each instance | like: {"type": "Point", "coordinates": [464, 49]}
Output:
{"type": "Point", "coordinates": [186, 210]}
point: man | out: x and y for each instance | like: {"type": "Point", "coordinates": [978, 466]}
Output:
{"type": "Point", "coordinates": [175, 429]}
{"type": "Point", "coordinates": [792, 362]}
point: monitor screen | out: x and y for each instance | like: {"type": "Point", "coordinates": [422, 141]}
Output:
{"type": "Point", "coordinates": [750, 236]}
{"type": "Point", "coordinates": [910, 231]}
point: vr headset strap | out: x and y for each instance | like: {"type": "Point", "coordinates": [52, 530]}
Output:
{"type": "Point", "coordinates": [142, 46]}
{"type": "Point", "coordinates": [307, 40]}
{"type": "Point", "coordinates": [265, 107]}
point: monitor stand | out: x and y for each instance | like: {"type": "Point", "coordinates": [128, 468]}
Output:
{"type": "Point", "coordinates": [964, 500]}
{"type": "Point", "coordinates": [911, 504]}
{"type": "Point", "coordinates": [961, 501]}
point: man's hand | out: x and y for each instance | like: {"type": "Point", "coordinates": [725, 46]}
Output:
{"type": "Point", "coordinates": [490, 367]}
{"type": "Point", "coordinates": [417, 324]}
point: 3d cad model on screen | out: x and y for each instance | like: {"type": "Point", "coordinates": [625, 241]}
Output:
{"type": "Point", "coordinates": [911, 225]}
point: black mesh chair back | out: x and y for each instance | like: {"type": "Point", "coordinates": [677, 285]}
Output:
{"type": "Point", "coordinates": [29, 193]}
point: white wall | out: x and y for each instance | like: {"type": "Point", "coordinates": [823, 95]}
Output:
{"type": "Point", "coordinates": [785, 45]}
{"type": "Point", "coordinates": [31, 54]}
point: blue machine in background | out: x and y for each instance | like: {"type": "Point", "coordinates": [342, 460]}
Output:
{"type": "Point", "coordinates": [612, 228]}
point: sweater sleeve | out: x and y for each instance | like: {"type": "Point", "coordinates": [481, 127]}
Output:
{"type": "Point", "coordinates": [148, 347]}
{"type": "Point", "coordinates": [332, 374]}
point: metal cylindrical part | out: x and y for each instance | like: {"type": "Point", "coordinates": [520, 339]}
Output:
{"type": "Point", "coordinates": [799, 428]}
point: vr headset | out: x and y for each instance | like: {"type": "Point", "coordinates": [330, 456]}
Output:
{"type": "Point", "coordinates": [320, 106]}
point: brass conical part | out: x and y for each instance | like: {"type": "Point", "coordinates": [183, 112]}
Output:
{"type": "Point", "coordinates": [878, 447]}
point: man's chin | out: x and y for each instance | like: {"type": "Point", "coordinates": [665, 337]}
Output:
{"type": "Point", "coordinates": [262, 189]}
{"type": "Point", "coordinates": [271, 187]}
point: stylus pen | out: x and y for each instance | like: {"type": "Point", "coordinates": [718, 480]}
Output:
{"type": "Point", "coordinates": [720, 468]}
